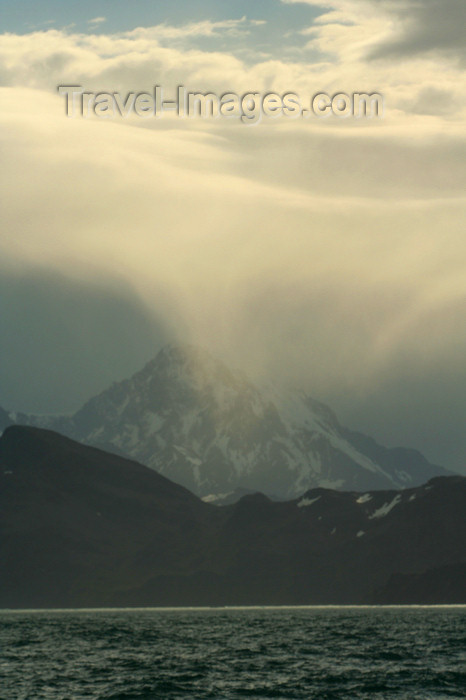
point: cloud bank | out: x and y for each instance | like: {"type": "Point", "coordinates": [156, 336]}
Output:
{"type": "Point", "coordinates": [329, 254]}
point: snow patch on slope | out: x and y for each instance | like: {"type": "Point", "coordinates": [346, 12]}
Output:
{"type": "Point", "coordinates": [385, 509]}
{"type": "Point", "coordinates": [306, 502]}
{"type": "Point", "coordinates": [364, 499]}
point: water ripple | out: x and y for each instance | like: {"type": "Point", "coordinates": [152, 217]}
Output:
{"type": "Point", "coordinates": [307, 653]}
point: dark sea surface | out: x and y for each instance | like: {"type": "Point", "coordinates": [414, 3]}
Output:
{"type": "Point", "coordinates": [322, 653]}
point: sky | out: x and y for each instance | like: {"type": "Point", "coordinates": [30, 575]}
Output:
{"type": "Point", "coordinates": [325, 254]}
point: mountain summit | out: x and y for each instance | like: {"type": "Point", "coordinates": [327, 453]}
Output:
{"type": "Point", "coordinates": [207, 427]}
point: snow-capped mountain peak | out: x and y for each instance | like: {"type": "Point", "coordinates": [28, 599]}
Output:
{"type": "Point", "coordinates": [206, 426]}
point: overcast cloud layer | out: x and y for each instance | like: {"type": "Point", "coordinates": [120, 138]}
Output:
{"type": "Point", "coordinates": [329, 254]}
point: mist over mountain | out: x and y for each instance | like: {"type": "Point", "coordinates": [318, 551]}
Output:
{"type": "Point", "coordinates": [205, 426]}
{"type": "Point", "coordinates": [81, 527]}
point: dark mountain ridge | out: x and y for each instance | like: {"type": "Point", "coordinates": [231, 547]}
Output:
{"type": "Point", "coordinates": [80, 527]}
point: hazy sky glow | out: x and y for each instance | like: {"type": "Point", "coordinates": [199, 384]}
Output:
{"type": "Point", "coordinates": [331, 254]}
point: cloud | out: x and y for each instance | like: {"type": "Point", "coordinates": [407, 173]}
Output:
{"type": "Point", "coordinates": [97, 20]}
{"type": "Point", "coordinates": [436, 101]}
{"type": "Point", "coordinates": [328, 253]}
{"type": "Point", "coordinates": [394, 29]}
{"type": "Point", "coordinates": [426, 27]}
{"type": "Point", "coordinates": [205, 29]}
{"type": "Point", "coordinates": [341, 245]}
{"type": "Point", "coordinates": [138, 59]}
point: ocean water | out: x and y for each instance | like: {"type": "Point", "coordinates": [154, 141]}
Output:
{"type": "Point", "coordinates": [322, 653]}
